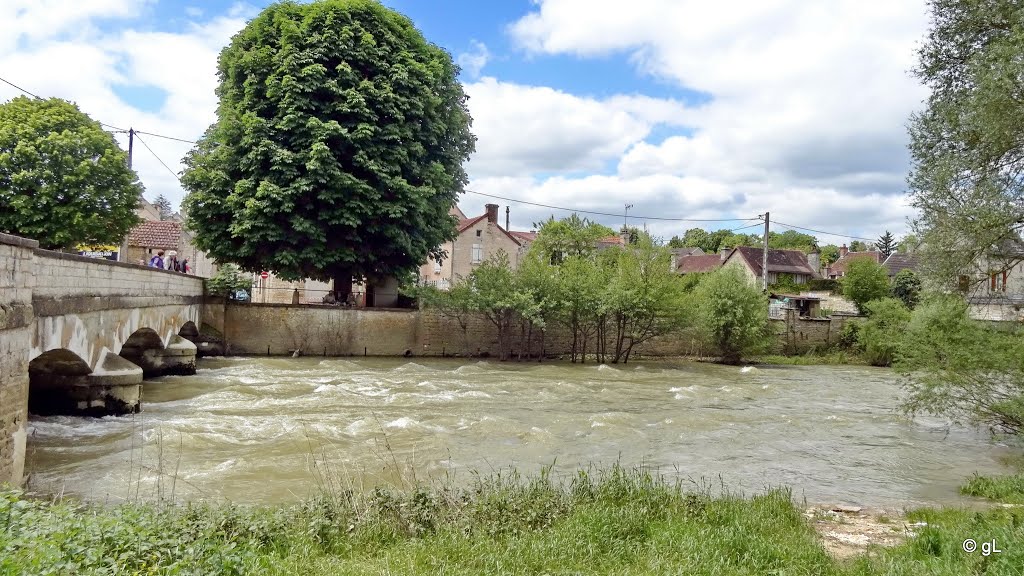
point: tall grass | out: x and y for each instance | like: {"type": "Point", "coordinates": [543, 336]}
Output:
{"type": "Point", "coordinates": [615, 521]}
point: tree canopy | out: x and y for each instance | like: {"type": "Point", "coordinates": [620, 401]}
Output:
{"type": "Point", "coordinates": [63, 180]}
{"type": "Point", "coordinates": [338, 146]}
{"type": "Point", "coordinates": [967, 145]}
{"type": "Point", "coordinates": [865, 280]}
{"type": "Point", "coordinates": [886, 244]}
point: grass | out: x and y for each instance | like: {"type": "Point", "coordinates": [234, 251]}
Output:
{"type": "Point", "coordinates": [1009, 489]}
{"type": "Point", "coordinates": [613, 522]}
{"type": "Point", "coordinates": [814, 358]}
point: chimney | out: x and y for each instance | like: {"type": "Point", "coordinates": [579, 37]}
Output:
{"type": "Point", "coordinates": [814, 261]}
{"type": "Point", "coordinates": [724, 253]}
{"type": "Point", "coordinates": [843, 251]}
{"type": "Point", "coordinates": [507, 210]}
{"type": "Point", "coordinates": [492, 212]}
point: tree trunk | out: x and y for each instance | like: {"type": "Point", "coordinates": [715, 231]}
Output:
{"type": "Point", "coordinates": [342, 286]}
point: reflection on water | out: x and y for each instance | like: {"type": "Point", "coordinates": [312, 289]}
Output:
{"type": "Point", "coordinates": [265, 429]}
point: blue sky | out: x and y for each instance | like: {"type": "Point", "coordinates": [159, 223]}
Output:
{"type": "Point", "coordinates": [683, 108]}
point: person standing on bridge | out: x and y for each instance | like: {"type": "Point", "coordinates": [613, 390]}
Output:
{"type": "Point", "coordinates": [158, 260]}
{"type": "Point", "coordinates": [172, 261]}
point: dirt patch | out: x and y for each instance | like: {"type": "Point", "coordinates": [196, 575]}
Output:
{"type": "Point", "coordinates": [852, 531]}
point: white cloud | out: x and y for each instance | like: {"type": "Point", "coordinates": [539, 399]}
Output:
{"type": "Point", "coordinates": [524, 130]}
{"type": "Point", "coordinates": [78, 61]}
{"type": "Point", "coordinates": [473, 62]}
{"type": "Point", "coordinates": [807, 106]}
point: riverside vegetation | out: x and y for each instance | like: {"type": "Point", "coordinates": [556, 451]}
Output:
{"type": "Point", "coordinates": [616, 522]}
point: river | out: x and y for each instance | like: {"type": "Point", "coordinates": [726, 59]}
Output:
{"type": "Point", "coordinates": [275, 430]}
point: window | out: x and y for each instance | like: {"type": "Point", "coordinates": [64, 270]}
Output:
{"type": "Point", "coordinates": [437, 267]}
{"type": "Point", "coordinates": [478, 253]}
{"type": "Point", "coordinates": [479, 233]}
{"type": "Point", "coordinates": [997, 281]}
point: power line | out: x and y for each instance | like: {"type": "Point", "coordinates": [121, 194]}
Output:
{"type": "Point", "coordinates": [824, 232]}
{"type": "Point", "coordinates": [608, 213]}
{"type": "Point", "coordinates": [157, 157]}
{"type": "Point", "coordinates": [115, 128]}
{"type": "Point", "coordinates": [745, 227]}
{"type": "Point", "coordinates": [20, 88]}
{"type": "Point", "coordinates": [166, 137]}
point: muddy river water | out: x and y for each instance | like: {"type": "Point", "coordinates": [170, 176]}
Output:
{"type": "Point", "coordinates": [271, 430]}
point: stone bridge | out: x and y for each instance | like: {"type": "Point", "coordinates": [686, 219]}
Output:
{"type": "Point", "coordinates": [77, 336]}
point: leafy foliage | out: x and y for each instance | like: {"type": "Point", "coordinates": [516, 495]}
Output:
{"type": "Point", "coordinates": [571, 236]}
{"type": "Point", "coordinates": [886, 244]}
{"type": "Point", "coordinates": [959, 368]}
{"type": "Point", "coordinates": [865, 280]}
{"type": "Point", "coordinates": [338, 147]}
{"type": "Point", "coordinates": [163, 207]}
{"type": "Point", "coordinates": [906, 287]}
{"type": "Point", "coordinates": [858, 246]}
{"type": "Point", "coordinates": [63, 180]}
{"type": "Point", "coordinates": [732, 314]}
{"type": "Point", "coordinates": [881, 333]}
{"type": "Point", "coordinates": [829, 254]}
{"type": "Point", "coordinates": [229, 281]}
{"type": "Point", "coordinates": [968, 154]}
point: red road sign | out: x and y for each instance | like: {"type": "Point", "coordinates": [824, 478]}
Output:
{"type": "Point", "coordinates": [264, 274]}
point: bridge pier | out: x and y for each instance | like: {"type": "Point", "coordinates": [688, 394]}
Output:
{"type": "Point", "coordinates": [146, 350]}
{"type": "Point", "coordinates": [63, 320]}
{"type": "Point", "coordinates": [62, 383]}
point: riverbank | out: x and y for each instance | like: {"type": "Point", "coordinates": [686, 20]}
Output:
{"type": "Point", "coordinates": [615, 522]}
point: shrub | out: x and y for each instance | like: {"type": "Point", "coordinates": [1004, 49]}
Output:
{"type": "Point", "coordinates": [228, 282]}
{"type": "Point", "coordinates": [865, 280]}
{"type": "Point", "coordinates": [883, 329]}
{"type": "Point", "coordinates": [906, 287]}
{"type": "Point", "coordinates": [732, 314]}
{"type": "Point", "coordinates": [849, 336]}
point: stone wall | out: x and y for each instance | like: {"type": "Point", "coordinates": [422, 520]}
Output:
{"type": "Point", "coordinates": [315, 330]}
{"type": "Point", "coordinates": [800, 335]}
{"type": "Point", "coordinates": [17, 278]}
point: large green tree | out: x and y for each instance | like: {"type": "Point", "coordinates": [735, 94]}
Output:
{"type": "Point", "coordinates": [865, 280]}
{"type": "Point", "coordinates": [886, 244]}
{"type": "Point", "coordinates": [732, 314]}
{"type": "Point", "coordinates": [967, 145]}
{"type": "Point", "coordinates": [63, 180]}
{"type": "Point", "coordinates": [338, 147]}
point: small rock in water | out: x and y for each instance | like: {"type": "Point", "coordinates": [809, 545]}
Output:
{"type": "Point", "coordinates": [296, 353]}
{"type": "Point", "coordinates": [746, 369]}
{"type": "Point", "coordinates": [847, 509]}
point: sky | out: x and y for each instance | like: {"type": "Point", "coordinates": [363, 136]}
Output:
{"type": "Point", "coordinates": [687, 110]}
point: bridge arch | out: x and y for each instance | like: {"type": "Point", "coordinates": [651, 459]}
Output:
{"type": "Point", "coordinates": [62, 382]}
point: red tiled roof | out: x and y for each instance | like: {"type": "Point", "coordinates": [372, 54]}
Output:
{"type": "Point", "coordinates": [612, 240]}
{"type": "Point", "coordinates": [839, 266]}
{"type": "Point", "coordinates": [899, 261]}
{"type": "Point", "coordinates": [695, 264]}
{"type": "Point", "coordinates": [785, 261]}
{"type": "Point", "coordinates": [153, 234]}
{"type": "Point", "coordinates": [527, 236]}
{"type": "Point", "coordinates": [467, 222]}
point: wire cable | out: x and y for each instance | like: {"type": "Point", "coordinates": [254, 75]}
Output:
{"type": "Point", "coordinates": [36, 96]}
{"type": "Point", "coordinates": [166, 137]}
{"type": "Point", "coordinates": [823, 232]}
{"type": "Point", "coordinates": [608, 213]}
{"type": "Point", "coordinates": [157, 157]}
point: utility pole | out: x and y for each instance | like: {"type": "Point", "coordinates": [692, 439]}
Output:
{"type": "Point", "coordinates": [131, 142]}
{"type": "Point", "coordinates": [764, 255]}
{"type": "Point", "coordinates": [625, 216]}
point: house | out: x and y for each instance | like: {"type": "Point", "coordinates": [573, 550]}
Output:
{"type": "Point", "coordinates": [153, 235]}
{"type": "Point", "coordinates": [806, 306]}
{"type": "Point", "coordinates": [838, 268]}
{"type": "Point", "coordinates": [997, 291]}
{"type": "Point", "coordinates": [699, 263]}
{"type": "Point", "coordinates": [478, 239]}
{"type": "Point", "coordinates": [792, 265]}
{"type": "Point", "coordinates": [900, 261]}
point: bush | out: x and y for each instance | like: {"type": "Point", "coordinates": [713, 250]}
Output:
{"type": "Point", "coordinates": [881, 333]}
{"type": "Point", "coordinates": [865, 280]}
{"type": "Point", "coordinates": [823, 284]}
{"type": "Point", "coordinates": [228, 282]}
{"type": "Point", "coordinates": [849, 336]}
{"type": "Point", "coordinates": [906, 287]}
{"type": "Point", "coordinates": [961, 369]}
{"type": "Point", "coordinates": [732, 314]}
